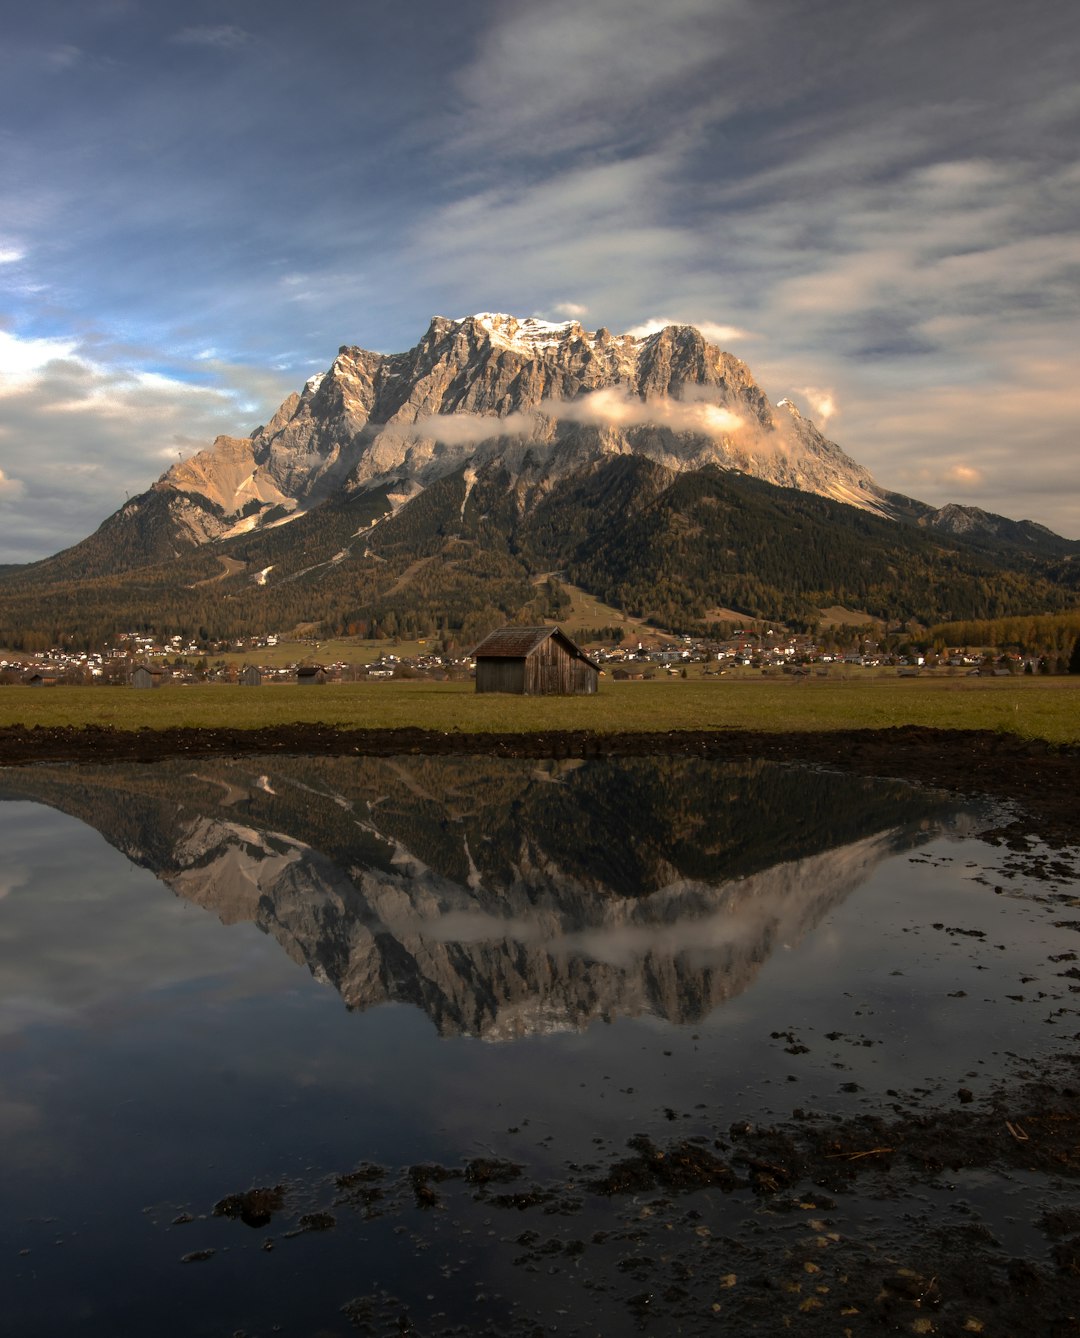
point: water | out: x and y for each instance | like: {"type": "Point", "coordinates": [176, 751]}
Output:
{"type": "Point", "coordinates": [268, 972]}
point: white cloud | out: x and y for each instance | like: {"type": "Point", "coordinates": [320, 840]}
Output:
{"type": "Point", "coordinates": [613, 407]}
{"type": "Point", "coordinates": [563, 75]}
{"type": "Point", "coordinates": [223, 35]}
{"type": "Point", "coordinates": [12, 879]}
{"type": "Point", "coordinates": [11, 255]}
{"type": "Point", "coordinates": [609, 407]}
{"type": "Point", "coordinates": [722, 335]}
{"type": "Point", "coordinates": [822, 402]}
{"type": "Point", "coordinates": [64, 57]}
{"type": "Point", "coordinates": [965, 475]}
{"type": "Point", "coordinates": [1003, 438]}
{"type": "Point", "coordinates": [10, 488]}
{"type": "Point", "coordinates": [21, 359]}
{"type": "Point", "coordinates": [78, 433]}
{"type": "Point", "coordinates": [599, 230]}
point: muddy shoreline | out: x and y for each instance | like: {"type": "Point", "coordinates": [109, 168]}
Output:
{"type": "Point", "coordinates": [1040, 780]}
{"type": "Point", "coordinates": [627, 1246]}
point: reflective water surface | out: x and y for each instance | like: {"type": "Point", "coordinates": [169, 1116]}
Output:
{"type": "Point", "coordinates": [221, 974]}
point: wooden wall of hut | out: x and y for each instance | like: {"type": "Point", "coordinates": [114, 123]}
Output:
{"type": "Point", "coordinates": [549, 669]}
{"type": "Point", "coordinates": [500, 675]}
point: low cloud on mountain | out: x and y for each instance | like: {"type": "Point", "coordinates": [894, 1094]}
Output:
{"type": "Point", "coordinates": [608, 407]}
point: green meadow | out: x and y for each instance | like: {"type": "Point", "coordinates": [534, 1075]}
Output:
{"type": "Point", "coordinates": [1043, 708]}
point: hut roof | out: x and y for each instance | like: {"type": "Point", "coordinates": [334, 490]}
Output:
{"type": "Point", "coordinates": [517, 643]}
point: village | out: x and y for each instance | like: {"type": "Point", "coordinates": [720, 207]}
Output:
{"type": "Point", "coordinates": [140, 660]}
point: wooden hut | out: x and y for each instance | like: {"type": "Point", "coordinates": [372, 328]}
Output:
{"type": "Point", "coordinates": [250, 676]}
{"type": "Point", "coordinates": [310, 674]}
{"type": "Point", "coordinates": [147, 676]}
{"type": "Point", "coordinates": [533, 660]}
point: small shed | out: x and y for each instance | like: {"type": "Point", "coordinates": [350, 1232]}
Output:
{"type": "Point", "coordinates": [147, 676]}
{"type": "Point", "coordinates": [250, 676]}
{"type": "Point", "coordinates": [534, 660]}
{"type": "Point", "coordinates": [41, 681]}
{"type": "Point", "coordinates": [310, 674]}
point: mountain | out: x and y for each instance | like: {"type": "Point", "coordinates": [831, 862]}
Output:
{"type": "Point", "coordinates": [427, 487]}
{"type": "Point", "coordinates": [505, 897]}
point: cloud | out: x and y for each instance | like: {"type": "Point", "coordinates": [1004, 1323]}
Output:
{"type": "Point", "coordinates": [975, 441]}
{"type": "Point", "coordinates": [12, 879]}
{"type": "Point", "coordinates": [822, 402]}
{"type": "Point", "coordinates": [222, 35]}
{"type": "Point", "coordinates": [10, 489]}
{"type": "Point", "coordinates": [720, 335]}
{"type": "Point", "coordinates": [571, 310]}
{"type": "Point", "coordinates": [63, 57]}
{"type": "Point", "coordinates": [21, 359]}
{"type": "Point", "coordinates": [77, 433]}
{"type": "Point", "coordinates": [613, 407]}
{"type": "Point", "coordinates": [466, 429]}
{"type": "Point", "coordinates": [11, 255]}
{"type": "Point", "coordinates": [562, 76]}
{"type": "Point", "coordinates": [609, 407]}
{"type": "Point", "coordinates": [504, 247]}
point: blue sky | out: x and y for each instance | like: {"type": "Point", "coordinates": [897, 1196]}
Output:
{"type": "Point", "coordinates": [874, 204]}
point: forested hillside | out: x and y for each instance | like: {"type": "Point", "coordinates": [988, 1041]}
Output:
{"type": "Point", "coordinates": [469, 552]}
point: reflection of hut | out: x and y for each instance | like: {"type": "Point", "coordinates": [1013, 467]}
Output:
{"type": "Point", "coordinates": [533, 660]}
{"type": "Point", "coordinates": [145, 676]}
{"type": "Point", "coordinates": [250, 676]}
{"type": "Point", "coordinates": [308, 674]}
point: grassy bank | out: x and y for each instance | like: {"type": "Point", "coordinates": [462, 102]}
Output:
{"type": "Point", "coordinates": [1046, 708]}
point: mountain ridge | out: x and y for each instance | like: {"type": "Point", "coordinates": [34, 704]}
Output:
{"type": "Point", "coordinates": [489, 387]}
{"type": "Point", "coordinates": [494, 443]}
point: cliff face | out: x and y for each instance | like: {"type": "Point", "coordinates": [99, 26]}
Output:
{"type": "Point", "coordinates": [499, 441]}
{"type": "Point", "coordinates": [533, 400]}
{"type": "Point", "coordinates": [504, 898]}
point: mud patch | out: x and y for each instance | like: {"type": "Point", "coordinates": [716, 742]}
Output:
{"type": "Point", "coordinates": [851, 1226]}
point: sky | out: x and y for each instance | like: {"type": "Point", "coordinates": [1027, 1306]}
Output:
{"type": "Point", "coordinates": [876, 205]}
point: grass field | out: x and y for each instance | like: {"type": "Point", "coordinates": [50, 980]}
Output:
{"type": "Point", "coordinates": [1046, 708]}
{"type": "Point", "coordinates": [343, 650]}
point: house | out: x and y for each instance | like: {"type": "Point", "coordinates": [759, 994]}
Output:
{"type": "Point", "coordinates": [250, 676]}
{"type": "Point", "coordinates": [309, 674]}
{"type": "Point", "coordinates": [147, 676]}
{"type": "Point", "coordinates": [41, 681]}
{"type": "Point", "coordinates": [533, 660]}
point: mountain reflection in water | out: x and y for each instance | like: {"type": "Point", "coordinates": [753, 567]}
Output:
{"type": "Point", "coordinates": [505, 897]}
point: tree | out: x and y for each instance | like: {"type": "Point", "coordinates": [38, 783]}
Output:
{"type": "Point", "coordinates": [1074, 659]}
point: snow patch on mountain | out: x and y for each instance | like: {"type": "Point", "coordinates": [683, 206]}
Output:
{"type": "Point", "coordinates": [528, 335]}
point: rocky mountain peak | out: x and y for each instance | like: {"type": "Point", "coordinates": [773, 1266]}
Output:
{"type": "Point", "coordinates": [474, 388]}
{"type": "Point", "coordinates": [529, 335]}
{"type": "Point", "coordinates": [499, 448]}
